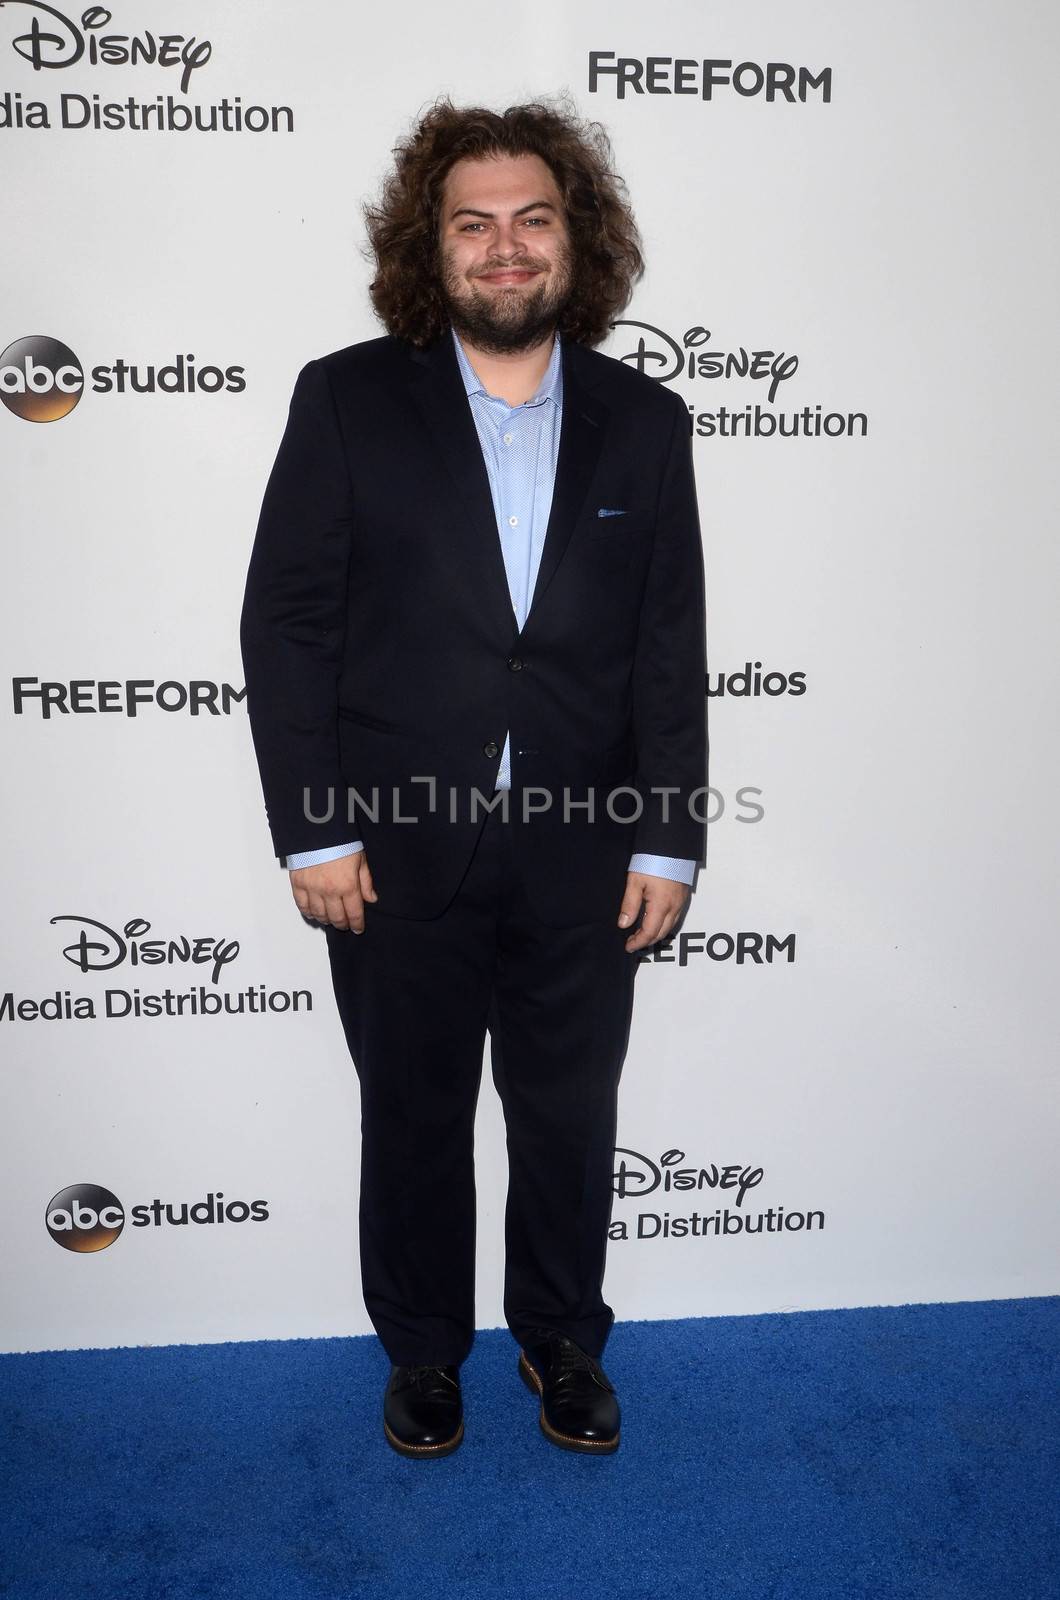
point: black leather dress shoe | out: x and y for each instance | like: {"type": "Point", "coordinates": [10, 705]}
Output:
{"type": "Point", "coordinates": [423, 1413]}
{"type": "Point", "coordinates": [579, 1410]}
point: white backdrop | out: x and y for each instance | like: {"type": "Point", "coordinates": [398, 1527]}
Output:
{"type": "Point", "coordinates": [891, 1090]}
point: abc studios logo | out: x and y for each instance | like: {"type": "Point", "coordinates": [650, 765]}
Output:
{"type": "Point", "coordinates": [41, 380]}
{"type": "Point", "coordinates": [84, 1218]}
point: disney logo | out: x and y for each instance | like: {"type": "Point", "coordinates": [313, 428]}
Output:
{"type": "Point", "coordinates": [105, 948]}
{"type": "Point", "coordinates": [665, 358]}
{"type": "Point", "coordinates": [639, 1175]}
{"type": "Point", "coordinates": [62, 43]}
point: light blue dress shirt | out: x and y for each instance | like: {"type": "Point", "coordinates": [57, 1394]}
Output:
{"type": "Point", "coordinates": [520, 447]}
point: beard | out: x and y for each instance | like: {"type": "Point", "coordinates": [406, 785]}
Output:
{"type": "Point", "coordinates": [506, 321]}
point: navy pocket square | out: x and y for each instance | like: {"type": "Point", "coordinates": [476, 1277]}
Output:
{"type": "Point", "coordinates": [604, 511]}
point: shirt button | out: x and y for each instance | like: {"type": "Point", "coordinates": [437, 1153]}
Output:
{"type": "Point", "coordinates": [508, 438]}
{"type": "Point", "coordinates": [515, 664]}
{"type": "Point", "coordinates": [491, 749]}
{"type": "Point", "coordinates": [513, 522]}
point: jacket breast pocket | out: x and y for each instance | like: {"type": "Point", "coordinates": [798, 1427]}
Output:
{"type": "Point", "coordinates": [619, 527]}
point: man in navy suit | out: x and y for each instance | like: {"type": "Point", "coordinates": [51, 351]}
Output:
{"type": "Point", "coordinates": [473, 637]}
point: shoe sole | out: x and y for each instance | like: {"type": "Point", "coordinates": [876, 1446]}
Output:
{"type": "Point", "coordinates": [424, 1452]}
{"type": "Point", "coordinates": [565, 1441]}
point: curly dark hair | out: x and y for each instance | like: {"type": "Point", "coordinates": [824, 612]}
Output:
{"type": "Point", "coordinates": [403, 226]}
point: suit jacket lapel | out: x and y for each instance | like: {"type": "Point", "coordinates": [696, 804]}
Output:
{"type": "Point", "coordinates": [438, 393]}
{"type": "Point", "coordinates": [580, 441]}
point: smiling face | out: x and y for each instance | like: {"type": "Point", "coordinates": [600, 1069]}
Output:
{"type": "Point", "coordinates": [505, 252]}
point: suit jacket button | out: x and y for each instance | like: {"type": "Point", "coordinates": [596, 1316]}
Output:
{"type": "Point", "coordinates": [492, 749]}
{"type": "Point", "coordinates": [515, 663]}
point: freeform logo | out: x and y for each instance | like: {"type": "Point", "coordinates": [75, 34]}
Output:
{"type": "Point", "coordinates": [747, 946]}
{"type": "Point", "coordinates": [93, 696]}
{"type": "Point", "coordinates": [41, 379]}
{"type": "Point", "coordinates": [86, 1217]}
{"type": "Point", "coordinates": [777, 80]}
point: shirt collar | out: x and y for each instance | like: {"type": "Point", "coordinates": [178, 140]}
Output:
{"type": "Point", "coordinates": [548, 389]}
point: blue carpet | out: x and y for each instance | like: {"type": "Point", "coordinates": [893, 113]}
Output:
{"type": "Point", "coordinates": [826, 1455]}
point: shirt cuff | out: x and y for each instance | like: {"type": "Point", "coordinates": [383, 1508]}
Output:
{"type": "Point", "coordinates": [675, 867]}
{"type": "Point", "coordinates": [311, 858]}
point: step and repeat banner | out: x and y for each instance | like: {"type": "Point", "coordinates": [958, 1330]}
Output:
{"type": "Point", "coordinates": [841, 1084]}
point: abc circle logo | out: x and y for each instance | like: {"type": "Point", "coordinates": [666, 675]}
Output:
{"type": "Point", "coordinates": [84, 1218]}
{"type": "Point", "coordinates": [41, 380]}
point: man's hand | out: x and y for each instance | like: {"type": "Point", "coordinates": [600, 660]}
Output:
{"type": "Point", "coordinates": [663, 900]}
{"type": "Point", "coordinates": [334, 891]}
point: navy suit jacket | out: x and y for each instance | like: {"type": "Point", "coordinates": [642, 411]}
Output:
{"type": "Point", "coordinates": [380, 646]}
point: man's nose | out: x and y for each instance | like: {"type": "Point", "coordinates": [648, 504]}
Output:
{"type": "Point", "coordinates": [505, 243]}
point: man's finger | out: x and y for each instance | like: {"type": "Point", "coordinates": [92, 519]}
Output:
{"type": "Point", "coordinates": [649, 930]}
{"type": "Point", "coordinates": [317, 908]}
{"type": "Point", "coordinates": [330, 891]}
{"type": "Point", "coordinates": [662, 909]}
{"type": "Point", "coordinates": [335, 910]}
{"type": "Point", "coordinates": [629, 910]}
{"type": "Point", "coordinates": [353, 910]}
{"type": "Point", "coordinates": [367, 886]}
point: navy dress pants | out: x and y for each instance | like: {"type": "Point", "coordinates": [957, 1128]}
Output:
{"type": "Point", "coordinates": [416, 999]}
